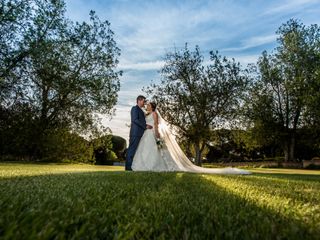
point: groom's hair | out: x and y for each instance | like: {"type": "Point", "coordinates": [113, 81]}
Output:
{"type": "Point", "coordinates": [140, 97]}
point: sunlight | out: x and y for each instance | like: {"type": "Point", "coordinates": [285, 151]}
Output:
{"type": "Point", "coordinates": [266, 196]}
{"type": "Point", "coordinates": [23, 170]}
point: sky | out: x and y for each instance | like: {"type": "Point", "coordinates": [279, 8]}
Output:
{"type": "Point", "coordinates": [146, 30]}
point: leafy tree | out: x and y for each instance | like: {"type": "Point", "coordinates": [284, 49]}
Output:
{"type": "Point", "coordinates": [195, 97]}
{"type": "Point", "coordinates": [63, 71]}
{"type": "Point", "coordinates": [72, 72]}
{"type": "Point", "coordinates": [283, 97]}
{"type": "Point", "coordinates": [14, 28]}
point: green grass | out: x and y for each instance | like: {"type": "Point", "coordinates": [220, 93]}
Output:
{"type": "Point", "coordinates": [99, 202]}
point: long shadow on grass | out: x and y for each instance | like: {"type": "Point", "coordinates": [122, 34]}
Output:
{"type": "Point", "coordinates": [121, 205]}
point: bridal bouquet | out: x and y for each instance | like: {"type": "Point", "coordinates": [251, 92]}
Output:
{"type": "Point", "coordinates": [159, 142]}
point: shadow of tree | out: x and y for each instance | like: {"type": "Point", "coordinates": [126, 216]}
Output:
{"type": "Point", "coordinates": [127, 205]}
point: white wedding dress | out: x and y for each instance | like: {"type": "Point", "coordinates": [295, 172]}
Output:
{"type": "Point", "coordinates": [170, 157]}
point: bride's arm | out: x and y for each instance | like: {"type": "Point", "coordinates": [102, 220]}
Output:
{"type": "Point", "coordinates": [156, 124]}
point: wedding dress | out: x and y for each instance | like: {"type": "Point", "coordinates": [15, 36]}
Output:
{"type": "Point", "coordinates": [168, 158]}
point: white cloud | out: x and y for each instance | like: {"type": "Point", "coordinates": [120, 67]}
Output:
{"type": "Point", "coordinates": [146, 30]}
{"type": "Point", "coordinates": [146, 33]}
{"type": "Point", "coordinates": [152, 65]}
{"type": "Point", "coordinates": [247, 59]}
{"type": "Point", "coordinates": [119, 123]}
{"type": "Point", "coordinates": [259, 40]}
{"type": "Point", "coordinates": [252, 42]}
{"type": "Point", "coordinates": [289, 5]}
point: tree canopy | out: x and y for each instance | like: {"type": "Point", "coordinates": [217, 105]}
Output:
{"type": "Point", "coordinates": [286, 90]}
{"type": "Point", "coordinates": [55, 73]}
{"type": "Point", "coordinates": [196, 97]}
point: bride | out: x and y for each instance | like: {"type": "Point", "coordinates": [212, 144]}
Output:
{"type": "Point", "coordinates": [158, 150]}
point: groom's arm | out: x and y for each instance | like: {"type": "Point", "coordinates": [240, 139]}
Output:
{"type": "Point", "coordinates": [135, 118]}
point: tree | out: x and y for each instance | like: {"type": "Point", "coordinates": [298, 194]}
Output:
{"type": "Point", "coordinates": [14, 27]}
{"type": "Point", "coordinates": [67, 72]}
{"type": "Point", "coordinates": [72, 72]}
{"type": "Point", "coordinates": [282, 97]}
{"type": "Point", "coordinates": [195, 97]}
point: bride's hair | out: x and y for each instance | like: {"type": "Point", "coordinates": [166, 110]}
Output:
{"type": "Point", "coordinates": [153, 106]}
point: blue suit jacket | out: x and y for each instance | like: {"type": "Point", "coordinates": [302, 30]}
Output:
{"type": "Point", "coordinates": [138, 122]}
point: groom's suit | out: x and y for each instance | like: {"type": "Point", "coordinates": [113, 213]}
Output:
{"type": "Point", "coordinates": [138, 126]}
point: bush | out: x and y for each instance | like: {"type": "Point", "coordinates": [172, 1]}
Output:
{"type": "Point", "coordinates": [104, 153]}
{"type": "Point", "coordinates": [63, 146]}
{"type": "Point", "coordinates": [119, 145]}
{"type": "Point", "coordinates": [313, 167]}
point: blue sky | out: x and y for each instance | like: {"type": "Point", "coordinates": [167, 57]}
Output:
{"type": "Point", "coordinates": [146, 30]}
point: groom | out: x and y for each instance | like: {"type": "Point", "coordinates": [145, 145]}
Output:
{"type": "Point", "coordinates": [138, 126]}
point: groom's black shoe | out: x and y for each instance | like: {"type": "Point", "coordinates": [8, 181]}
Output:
{"type": "Point", "coordinates": [128, 169]}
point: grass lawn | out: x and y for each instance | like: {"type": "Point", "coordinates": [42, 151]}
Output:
{"type": "Point", "coordinates": [98, 202]}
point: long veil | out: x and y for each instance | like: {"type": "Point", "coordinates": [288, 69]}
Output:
{"type": "Point", "coordinates": [181, 160]}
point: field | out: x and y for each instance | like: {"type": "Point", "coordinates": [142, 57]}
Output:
{"type": "Point", "coordinates": [99, 202]}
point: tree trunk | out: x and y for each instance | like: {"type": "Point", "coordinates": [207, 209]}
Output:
{"type": "Point", "coordinates": [198, 155]}
{"type": "Point", "coordinates": [292, 147]}
{"type": "Point", "coordinates": [286, 151]}
{"type": "Point", "coordinates": [289, 148]}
